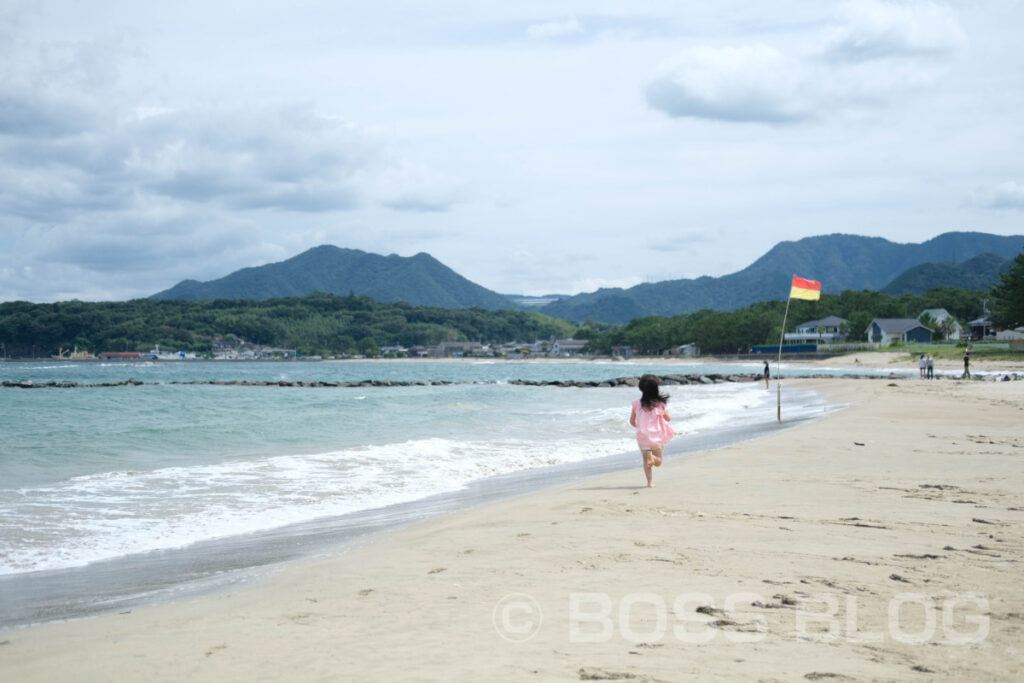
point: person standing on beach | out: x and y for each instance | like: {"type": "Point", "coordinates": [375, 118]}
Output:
{"type": "Point", "coordinates": [767, 375]}
{"type": "Point", "coordinates": [967, 364]}
{"type": "Point", "coordinates": [920, 366]}
{"type": "Point", "coordinates": [650, 416]}
{"type": "Point", "coordinates": [930, 363]}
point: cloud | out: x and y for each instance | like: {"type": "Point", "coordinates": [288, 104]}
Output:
{"type": "Point", "coordinates": [684, 241]}
{"type": "Point", "coordinates": [409, 186]}
{"type": "Point", "coordinates": [1008, 195]}
{"type": "Point", "coordinates": [881, 51]}
{"type": "Point", "coordinates": [594, 284]}
{"type": "Point", "coordinates": [873, 29]}
{"type": "Point", "coordinates": [32, 115]}
{"type": "Point", "coordinates": [748, 83]}
{"type": "Point", "coordinates": [271, 159]}
{"type": "Point", "coordinates": [551, 30]}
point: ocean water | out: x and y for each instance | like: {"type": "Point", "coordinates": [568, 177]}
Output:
{"type": "Point", "coordinates": [182, 482]}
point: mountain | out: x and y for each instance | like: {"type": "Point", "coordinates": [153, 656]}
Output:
{"type": "Point", "coordinates": [420, 280]}
{"type": "Point", "coordinates": [978, 273]}
{"type": "Point", "coordinates": [839, 261]}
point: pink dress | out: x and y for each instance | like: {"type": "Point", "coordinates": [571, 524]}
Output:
{"type": "Point", "coordinates": [652, 430]}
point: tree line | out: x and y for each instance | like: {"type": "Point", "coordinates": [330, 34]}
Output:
{"type": "Point", "coordinates": [761, 323]}
{"type": "Point", "coordinates": [316, 324]}
{"type": "Point", "coordinates": [326, 324]}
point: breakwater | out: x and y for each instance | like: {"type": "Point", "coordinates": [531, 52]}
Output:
{"type": "Point", "coordinates": [668, 380]}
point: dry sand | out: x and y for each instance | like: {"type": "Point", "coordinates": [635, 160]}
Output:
{"type": "Point", "coordinates": [881, 542]}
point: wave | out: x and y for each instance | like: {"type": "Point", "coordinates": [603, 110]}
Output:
{"type": "Point", "coordinates": [111, 514]}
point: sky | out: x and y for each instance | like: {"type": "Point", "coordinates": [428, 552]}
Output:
{"type": "Point", "coordinates": [533, 147]}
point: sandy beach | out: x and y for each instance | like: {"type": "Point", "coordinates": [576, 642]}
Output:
{"type": "Point", "coordinates": [883, 541]}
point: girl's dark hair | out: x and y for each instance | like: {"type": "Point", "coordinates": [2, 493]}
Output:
{"type": "Point", "coordinates": [650, 395]}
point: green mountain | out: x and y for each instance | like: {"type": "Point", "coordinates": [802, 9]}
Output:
{"type": "Point", "coordinates": [838, 261]}
{"type": "Point", "coordinates": [978, 273]}
{"type": "Point", "coordinates": [419, 280]}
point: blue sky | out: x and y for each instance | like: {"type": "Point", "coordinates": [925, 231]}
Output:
{"type": "Point", "coordinates": [539, 147]}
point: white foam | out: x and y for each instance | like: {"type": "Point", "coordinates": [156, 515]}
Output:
{"type": "Point", "coordinates": [118, 513]}
{"type": "Point", "coordinates": [115, 513]}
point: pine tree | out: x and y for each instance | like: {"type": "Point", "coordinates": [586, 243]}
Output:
{"type": "Point", "coordinates": [1008, 311]}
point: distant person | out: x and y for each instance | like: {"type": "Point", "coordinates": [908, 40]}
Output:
{"type": "Point", "coordinates": [650, 416]}
{"type": "Point", "coordinates": [921, 366]}
{"type": "Point", "coordinates": [767, 375]}
{"type": "Point", "coordinates": [930, 364]}
{"type": "Point", "coordinates": [967, 364]}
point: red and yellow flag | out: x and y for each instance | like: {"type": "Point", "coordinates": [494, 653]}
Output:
{"type": "Point", "coordinates": [805, 289]}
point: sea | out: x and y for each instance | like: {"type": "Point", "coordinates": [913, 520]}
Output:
{"type": "Point", "coordinates": [177, 484]}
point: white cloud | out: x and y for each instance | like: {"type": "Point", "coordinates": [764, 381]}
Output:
{"type": "Point", "coordinates": [747, 83]}
{"type": "Point", "coordinates": [873, 29]}
{"type": "Point", "coordinates": [595, 283]}
{"type": "Point", "coordinates": [1007, 195]}
{"type": "Point", "coordinates": [409, 186]}
{"type": "Point", "coordinates": [881, 52]}
{"type": "Point", "coordinates": [554, 29]}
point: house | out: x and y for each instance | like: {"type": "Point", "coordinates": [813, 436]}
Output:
{"type": "Point", "coordinates": [940, 314]}
{"type": "Point", "coordinates": [686, 350]}
{"type": "Point", "coordinates": [885, 331]}
{"type": "Point", "coordinates": [624, 352]}
{"type": "Point", "coordinates": [459, 349]}
{"type": "Point", "coordinates": [825, 331]}
{"type": "Point", "coordinates": [981, 328]}
{"type": "Point", "coordinates": [1010, 335]}
{"type": "Point", "coordinates": [563, 348]}
{"type": "Point", "coordinates": [397, 350]}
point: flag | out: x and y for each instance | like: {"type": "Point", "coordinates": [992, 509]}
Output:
{"type": "Point", "coordinates": [805, 289]}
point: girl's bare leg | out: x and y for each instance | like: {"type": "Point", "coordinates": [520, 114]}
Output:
{"type": "Point", "coordinates": [656, 457]}
{"type": "Point", "coordinates": [648, 464]}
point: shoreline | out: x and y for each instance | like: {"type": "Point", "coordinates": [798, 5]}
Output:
{"type": "Point", "coordinates": [143, 579]}
{"type": "Point", "coordinates": [911, 490]}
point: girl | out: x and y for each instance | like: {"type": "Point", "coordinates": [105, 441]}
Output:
{"type": "Point", "coordinates": [650, 416]}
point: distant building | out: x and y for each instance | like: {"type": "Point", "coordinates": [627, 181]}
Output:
{"type": "Point", "coordinates": [885, 331]}
{"type": "Point", "coordinates": [1010, 335]}
{"type": "Point", "coordinates": [458, 349]}
{"type": "Point", "coordinates": [622, 352]}
{"type": "Point", "coordinates": [940, 314]}
{"type": "Point", "coordinates": [686, 350]}
{"type": "Point", "coordinates": [120, 355]}
{"type": "Point", "coordinates": [824, 331]}
{"type": "Point", "coordinates": [981, 328]}
{"type": "Point", "coordinates": [563, 348]}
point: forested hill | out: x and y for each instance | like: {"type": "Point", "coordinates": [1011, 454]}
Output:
{"type": "Point", "coordinates": [316, 324]}
{"type": "Point", "coordinates": [419, 280]}
{"type": "Point", "coordinates": [978, 273]}
{"type": "Point", "coordinates": [840, 262]}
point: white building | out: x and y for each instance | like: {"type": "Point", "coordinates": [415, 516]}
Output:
{"type": "Point", "coordinates": [940, 314]}
{"type": "Point", "coordinates": [562, 348]}
{"type": "Point", "coordinates": [824, 331]}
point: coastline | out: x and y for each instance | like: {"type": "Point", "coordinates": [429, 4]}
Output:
{"type": "Point", "coordinates": [911, 490]}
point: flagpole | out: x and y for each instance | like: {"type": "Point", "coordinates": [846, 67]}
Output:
{"type": "Point", "coordinates": [802, 289]}
{"type": "Point", "coordinates": [778, 383]}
